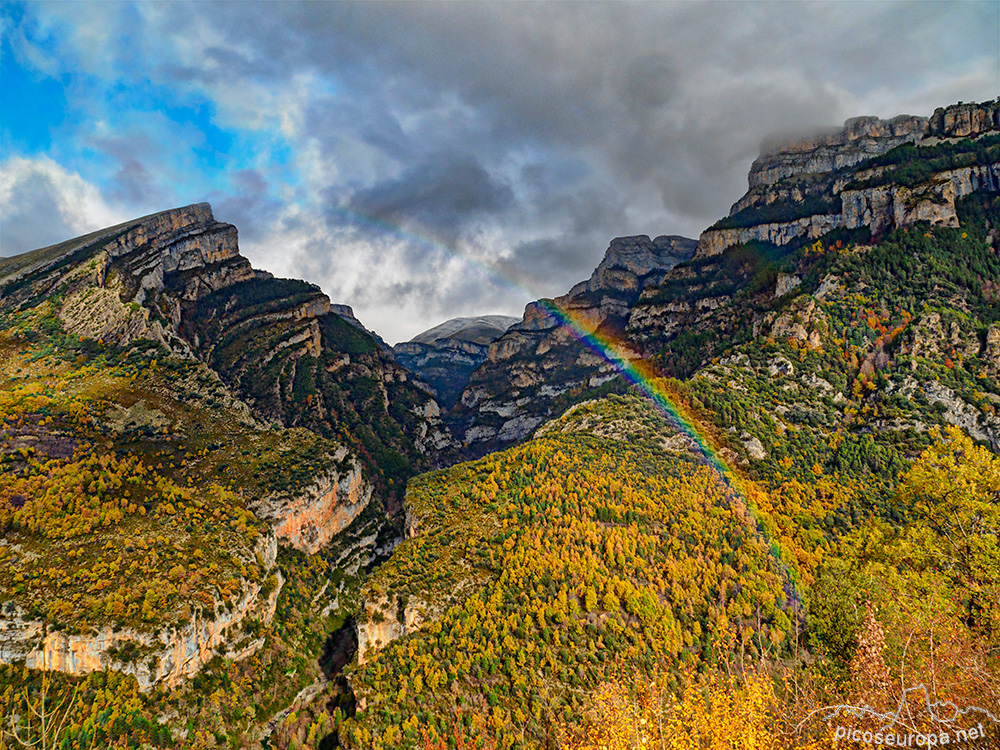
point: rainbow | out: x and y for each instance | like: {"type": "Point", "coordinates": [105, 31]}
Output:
{"type": "Point", "coordinates": [647, 381]}
{"type": "Point", "coordinates": [634, 370]}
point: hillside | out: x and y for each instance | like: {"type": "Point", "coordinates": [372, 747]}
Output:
{"type": "Point", "coordinates": [604, 556]}
{"type": "Point", "coordinates": [169, 418]}
{"type": "Point", "coordinates": [533, 575]}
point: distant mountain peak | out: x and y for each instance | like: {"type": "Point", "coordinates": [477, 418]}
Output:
{"type": "Point", "coordinates": [479, 329]}
{"type": "Point", "coordinates": [445, 355]}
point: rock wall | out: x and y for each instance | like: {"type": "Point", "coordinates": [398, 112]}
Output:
{"type": "Point", "coordinates": [539, 359]}
{"type": "Point", "coordinates": [965, 120]}
{"type": "Point", "coordinates": [310, 518]}
{"type": "Point", "coordinates": [118, 294]}
{"type": "Point", "coordinates": [890, 206]}
{"type": "Point", "coordinates": [385, 622]}
{"type": "Point", "coordinates": [802, 171]}
{"type": "Point", "coordinates": [167, 656]}
{"type": "Point", "coordinates": [628, 261]}
{"type": "Point", "coordinates": [714, 241]}
{"type": "Point", "coordinates": [864, 137]}
{"type": "Point", "coordinates": [861, 138]}
{"type": "Point", "coordinates": [879, 208]}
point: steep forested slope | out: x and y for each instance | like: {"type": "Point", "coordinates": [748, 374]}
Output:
{"type": "Point", "coordinates": [834, 404]}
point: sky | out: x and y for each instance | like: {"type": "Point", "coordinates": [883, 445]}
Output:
{"type": "Point", "coordinates": [426, 160]}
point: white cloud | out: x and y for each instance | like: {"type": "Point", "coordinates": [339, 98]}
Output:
{"type": "Point", "coordinates": [42, 203]}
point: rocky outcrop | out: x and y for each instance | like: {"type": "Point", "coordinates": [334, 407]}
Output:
{"type": "Point", "coordinates": [959, 413]}
{"type": "Point", "coordinates": [991, 347]}
{"type": "Point", "coordinates": [890, 206]}
{"type": "Point", "coordinates": [814, 177]}
{"type": "Point", "coordinates": [386, 621]}
{"type": "Point", "coordinates": [859, 139]}
{"type": "Point", "coordinates": [965, 120]}
{"type": "Point", "coordinates": [802, 320]}
{"type": "Point", "coordinates": [166, 656]}
{"type": "Point", "coordinates": [130, 282]}
{"type": "Point", "coordinates": [308, 519]}
{"type": "Point", "coordinates": [715, 241]}
{"type": "Point", "coordinates": [629, 261]}
{"type": "Point", "coordinates": [935, 337]}
{"type": "Point", "coordinates": [786, 283]}
{"type": "Point", "coordinates": [185, 250]}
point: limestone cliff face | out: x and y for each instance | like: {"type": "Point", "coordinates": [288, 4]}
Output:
{"type": "Point", "coordinates": [715, 241]}
{"type": "Point", "coordinates": [167, 656]}
{"type": "Point", "coordinates": [991, 348]}
{"type": "Point", "coordinates": [814, 176]}
{"type": "Point", "coordinates": [387, 621]}
{"type": "Point", "coordinates": [965, 120]}
{"type": "Point", "coordinates": [890, 206]}
{"type": "Point", "coordinates": [309, 519]}
{"type": "Point", "coordinates": [130, 282]}
{"type": "Point", "coordinates": [629, 261]}
{"type": "Point", "coordinates": [386, 618]}
{"type": "Point", "coordinates": [185, 249]}
{"type": "Point", "coordinates": [859, 139]}
{"type": "Point", "coordinates": [879, 208]}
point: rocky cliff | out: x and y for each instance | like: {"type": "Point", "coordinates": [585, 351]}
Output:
{"type": "Point", "coordinates": [537, 367]}
{"type": "Point", "coordinates": [889, 206]}
{"type": "Point", "coordinates": [309, 518]}
{"type": "Point", "coordinates": [177, 277]}
{"type": "Point", "coordinates": [386, 619]}
{"type": "Point", "coordinates": [859, 139]}
{"type": "Point", "coordinates": [129, 282]}
{"type": "Point", "coordinates": [804, 189]}
{"type": "Point", "coordinates": [166, 656]}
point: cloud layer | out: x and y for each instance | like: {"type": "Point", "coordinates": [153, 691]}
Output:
{"type": "Point", "coordinates": [424, 160]}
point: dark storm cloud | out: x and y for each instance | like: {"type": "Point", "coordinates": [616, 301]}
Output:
{"type": "Point", "coordinates": [528, 134]}
{"type": "Point", "coordinates": [442, 192]}
{"type": "Point", "coordinates": [673, 98]}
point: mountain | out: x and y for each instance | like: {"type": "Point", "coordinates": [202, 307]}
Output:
{"type": "Point", "coordinates": [536, 368]}
{"type": "Point", "coordinates": [869, 178]}
{"type": "Point", "coordinates": [812, 424]}
{"type": "Point", "coordinates": [166, 401]}
{"type": "Point", "coordinates": [482, 329]}
{"type": "Point", "coordinates": [445, 355]}
{"type": "Point", "coordinates": [717, 487]}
